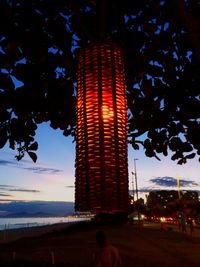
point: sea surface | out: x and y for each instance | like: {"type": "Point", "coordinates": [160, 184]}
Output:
{"type": "Point", "coordinates": [16, 223]}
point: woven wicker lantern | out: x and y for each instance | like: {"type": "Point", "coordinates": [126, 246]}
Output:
{"type": "Point", "coordinates": [101, 134]}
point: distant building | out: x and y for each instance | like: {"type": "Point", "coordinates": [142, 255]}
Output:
{"type": "Point", "coordinates": [165, 197]}
{"type": "Point", "coordinates": [190, 196]}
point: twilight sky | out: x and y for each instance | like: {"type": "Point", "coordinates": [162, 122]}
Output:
{"type": "Point", "coordinates": [52, 176]}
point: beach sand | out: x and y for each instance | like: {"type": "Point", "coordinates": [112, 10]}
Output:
{"type": "Point", "coordinates": [9, 235]}
{"type": "Point", "coordinates": [76, 245]}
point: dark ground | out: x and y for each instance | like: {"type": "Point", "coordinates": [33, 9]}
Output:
{"type": "Point", "coordinates": [138, 247]}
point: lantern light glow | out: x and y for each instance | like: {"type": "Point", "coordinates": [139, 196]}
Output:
{"type": "Point", "coordinates": [101, 131]}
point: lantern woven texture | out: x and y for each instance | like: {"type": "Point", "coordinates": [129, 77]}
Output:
{"type": "Point", "coordinates": [101, 131]}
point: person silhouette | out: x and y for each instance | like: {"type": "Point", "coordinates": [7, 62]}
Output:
{"type": "Point", "coordinates": [191, 223]}
{"type": "Point", "coordinates": [183, 224]}
{"type": "Point", "coordinates": [106, 255]}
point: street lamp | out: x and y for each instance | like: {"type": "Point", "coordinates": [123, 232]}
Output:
{"type": "Point", "coordinates": [133, 174]}
{"type": "Point", "coordinates": [136, 185]}
{"type": "Point", "coordinates": [136, 190]}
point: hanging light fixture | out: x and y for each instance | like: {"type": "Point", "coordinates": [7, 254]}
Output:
{"type": "Point", "coordinates": [101, 131]}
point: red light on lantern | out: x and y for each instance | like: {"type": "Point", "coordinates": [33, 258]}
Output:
{"type": "Point", "coordinates": [101, 131]}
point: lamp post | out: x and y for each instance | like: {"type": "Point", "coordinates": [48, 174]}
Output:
{"type": "Point", "coordinates": [136, 190]}
{"type": "Point", "coordinates": [136, 185]}
{"type": "Point", "coordinates": [133, 184]}
{"type": "Point", "coordinates": [178, 186]}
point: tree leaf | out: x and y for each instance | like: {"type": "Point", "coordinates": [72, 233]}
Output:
{"type": "Point", "coordinates": [135, 146]}
{"type": "Point", "coordinates": [32, 155]}
{"type": "Point", "coordinates": [157, 158]}
{"type": "Point", "coordinates": [33, 146]}
{"type": "Point", "coordinates": [3, 137]}
{"type": "Point", "coordinates": [190, 156]}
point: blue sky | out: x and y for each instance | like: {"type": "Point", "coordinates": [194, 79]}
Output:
{"type": "Point", "coordinates": [51, 178]}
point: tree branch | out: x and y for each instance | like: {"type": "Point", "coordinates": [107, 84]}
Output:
{"type": "Point", "coordinates": [192, 24]}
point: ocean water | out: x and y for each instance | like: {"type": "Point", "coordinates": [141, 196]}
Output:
{"type": "Point", "coordinates": [16, 223]}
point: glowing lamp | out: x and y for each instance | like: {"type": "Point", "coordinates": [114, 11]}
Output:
{"type": "Point", "coordinates": [101, 131]}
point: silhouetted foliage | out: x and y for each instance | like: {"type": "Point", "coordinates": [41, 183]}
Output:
{"type": "Point", "coordinates": [39, 43]}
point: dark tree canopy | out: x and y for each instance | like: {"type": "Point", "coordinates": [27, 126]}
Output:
{"type": "Point", "coordinates": [39, 44]}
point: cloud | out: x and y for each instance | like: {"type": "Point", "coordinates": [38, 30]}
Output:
{"type": "Point", "coordinates": [70, 186]}
{"type": "Point", "coordinates": [6, 200]}
{"type": "Point", "coordinates": [5, 186]}
{"type": "Point", "coordinates": [5, 195]}
{"type": "Point", "coordinates": [12, 188]}
{"type": "Point", "coordinates": [24, 190]}
{"type": "Point", "coordinates": [164, 183]}
{"type": "Point", "coordinates": [8, 163]}
{"type": "Point", "coordinates": [172, 182]}
{"type": "Point", "coordinates": [42, 170]}
{"type": "Point", "coordinates": [22, 165]}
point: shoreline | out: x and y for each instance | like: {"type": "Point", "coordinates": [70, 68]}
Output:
{"type": "Point", "coordinates": [13, 234]}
